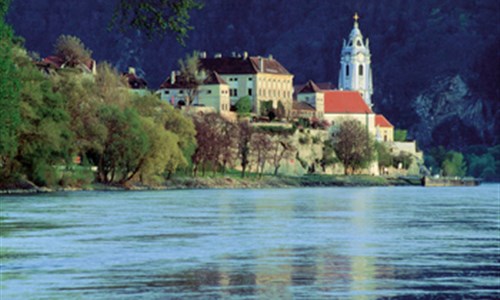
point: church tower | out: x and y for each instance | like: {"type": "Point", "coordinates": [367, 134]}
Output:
{"type": "Point", "coordinates": [355, 70]}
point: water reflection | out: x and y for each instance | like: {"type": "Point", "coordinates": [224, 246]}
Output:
{"type": "Point", "coordinates": [275, 244]}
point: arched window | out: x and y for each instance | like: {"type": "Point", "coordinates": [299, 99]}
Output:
{"type": "Point", "coordinates": [346, 70]}
{"type": "Point", "coordinates": [360, 70]}
{"type": "Point", "coordinates": [359, 43]}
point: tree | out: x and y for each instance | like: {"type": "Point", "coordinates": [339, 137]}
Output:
{"type": "Point", "coordinates": [328, 157]}
{"type": "Point", "coordinates": [400, 135]}
{"type": "Point", "coordinates": [192, 75]}
{"type": "Point", "coordinates": [44, 136]}
{"type": "Point", "coordinates": [353, 145]}
{"type": "Point", "coordinates": [383, 155]}
{"type": "Point", "coordinates": [156, 17]}
{"type": "Point", "coordinates": [281, 148]}
{"type": "Point", "coordinates": [245, 132]}
{"type": "Point", "coordinates": [72, 51]}
{"type": "Point", "coordinates": [244, 106]}
{"type": "Point", "coordinates": [454, 164]}
{"type": "Point", "coordinates": [10, 85]}
{"type": "Point", "coordinates": [260, 148]}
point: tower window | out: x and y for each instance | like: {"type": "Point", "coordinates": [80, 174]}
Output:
{"type": "Point", "coordinates": [347, 70]}
{"type": "Point", "coordinates": [360, 70]}
{"type": "Point", "coordinates": [359, 43]}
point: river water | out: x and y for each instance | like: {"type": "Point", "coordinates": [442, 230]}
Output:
{"type": "Point", "coordinates": [309, 243]}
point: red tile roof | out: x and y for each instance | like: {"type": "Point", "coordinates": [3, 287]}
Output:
{"type": "Point", "coordinates": [381, 121]}
{"type": "Point", "coordinates": [341, 102]}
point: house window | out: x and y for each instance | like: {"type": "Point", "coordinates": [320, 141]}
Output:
{"type": "Point", "coordinates": [347, 70]}
{"type": "Point", "coordinates": [233, 92]}
{"type": "Point", "coordinates": [181, 92]}
{"type": "Point", "coordinates": [167, 92]}
{"type": "Point", "coordinates": [209, 92]}
{"type": "Point", "coordinates": [249, 92]}
{"type": "Point", "coordinates": [250, 78]}
{"type": "Point", "coordinates": [360, 70]}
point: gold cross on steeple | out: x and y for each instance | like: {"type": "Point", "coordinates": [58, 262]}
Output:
{"type": "Point", "coordinates": [356, 17]}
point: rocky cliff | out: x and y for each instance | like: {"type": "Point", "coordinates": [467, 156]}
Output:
{"type": "Point", "coordinates": [436, 63]}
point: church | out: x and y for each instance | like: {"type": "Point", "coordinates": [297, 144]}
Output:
{"type": "Point", "coordinates": [353, 97]}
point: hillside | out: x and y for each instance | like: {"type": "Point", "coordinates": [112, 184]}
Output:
{"type": "Point", "coordinates": [436, 63]}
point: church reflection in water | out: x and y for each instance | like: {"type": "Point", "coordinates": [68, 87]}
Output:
{"type": "Point", "coordinates": [337, 265]}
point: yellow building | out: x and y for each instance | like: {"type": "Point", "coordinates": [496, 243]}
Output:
{"type": "Point", "coordinates": [261, 79]}
{"type": "Point", "coordinates": [384, 129]}
{"type": "Point", "coordinates": [213, 93]}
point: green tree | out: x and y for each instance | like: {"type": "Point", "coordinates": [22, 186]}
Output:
{"type": "Point", "coordinates": [44, 135]}
{"type": "Point", "coordinates": [328, 158]}
{"type": "Point", "coordinates": [244, 106]}
{"type": "Point", "coordinates": [245, 132]}
{"type": "Point", "coordinates": [454, 164]}
{"type": "Point", "coordinates": [192, 76]}
{"type": "Point", "coordinates": [72, 51]}
{"type": "Point", "coordinates": [383, 155]}
{"type": "Point", "coordinates": [156, 17]}
{"type": "Point", "coordinates": [10, 85]}
{"type": "Point", "coordinates": [400, 135]}
{"type": "Point", "coordinates": [353, 145]}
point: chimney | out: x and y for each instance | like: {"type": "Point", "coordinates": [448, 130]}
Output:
{"type": "Point", "coordinates": [218, 55]}
{"type": "Point", "coordinates": [131, 70]}
{"type": "Point", "coordinates": [233, 54]}
{"type": "Point", "coordinates": [270, 57]}
{"type": "Point", "coordinates": [245, 55]}
{"type": "Point", "coordinates": [172, 77]}
{"type": "Point", "coordinates": [261, 64]}
{"type": "Point", "coordinates": [203, 55]}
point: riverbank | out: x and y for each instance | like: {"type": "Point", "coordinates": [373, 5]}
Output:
{"type": "Point", "coordinates": [225, 182]}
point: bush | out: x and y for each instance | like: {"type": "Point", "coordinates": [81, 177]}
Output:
{"type": "Point", "coordinates": [303, 140]}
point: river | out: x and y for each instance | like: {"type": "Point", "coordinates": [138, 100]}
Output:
{"type": "Point", "coordinates": [307, 243]}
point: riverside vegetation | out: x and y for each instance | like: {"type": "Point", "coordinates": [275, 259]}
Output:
{"type": "Point", "coordinates": [125, 139]}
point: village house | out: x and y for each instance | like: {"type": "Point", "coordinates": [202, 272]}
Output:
{"type": "Point", "coordinates": [213, 93]}
{"type": "Point", "coordinates": [384, 129]}
{"type": "Point", "coordinates": [135, 83]}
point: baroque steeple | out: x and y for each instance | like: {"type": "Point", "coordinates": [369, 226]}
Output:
{"type": "Point", "coordinates": [355, 64]}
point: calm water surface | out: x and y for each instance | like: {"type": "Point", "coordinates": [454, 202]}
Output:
{"type": "Point", "coordinates": [321, 243]}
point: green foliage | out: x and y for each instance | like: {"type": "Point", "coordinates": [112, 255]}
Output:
{"type": "Point", "coordinates": [400, 135]}
{"type": "Point", "coordinates": [353, 146]}
{"type": "Point", "coordinates": [10, 85]}
{"type": "Point", "coordinates": [72, 50]}
{"type": "Point", "coordinates": [383, 154]}
{"type": "Point", "coordinates": [403, 159]}
{"type": "Point", "coordinates": [454, 164]}
{"type": "Point", "coordinates": [244, 106]}
{"type": "Point", "coordinates": [192, 76]}
{"type": "Point", "coordinates": [44, 135]}
{"type": "Point", "coordinates": [156, 17]}
{"type": "Point", "coordinates": [278, 130]}
{"type": "Point", "coordinates": [304, 139]}
{"type": "Point", "coordinates": [328, 158]}
{"type": "Point", "coordinates": [266, 107]}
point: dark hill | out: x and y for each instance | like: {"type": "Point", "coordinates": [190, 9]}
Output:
{"type": "Point", "coordinates": [436, 63]}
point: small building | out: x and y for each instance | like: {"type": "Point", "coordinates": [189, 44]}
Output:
{"type": "Point", "coordinates": [136, 84]}
{"type": "Point", "coordinates": [384, 129]}
{"type": "Point", "coordinates": [56, 62]}
{"type": "Point", "coordinates": [214, 92]}
{"type": "Point", "coordinates": [313, 96]}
